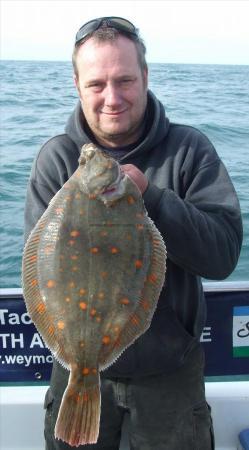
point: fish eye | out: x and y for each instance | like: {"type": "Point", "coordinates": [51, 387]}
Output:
{"type": "Point", "coordinates": [82, 160]}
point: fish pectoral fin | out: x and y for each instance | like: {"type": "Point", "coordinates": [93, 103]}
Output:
{"type": "Point", "coordinates": [79, 413]}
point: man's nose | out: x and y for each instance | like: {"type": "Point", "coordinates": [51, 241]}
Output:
{"type": "Point", "coordinates": [112, 96]}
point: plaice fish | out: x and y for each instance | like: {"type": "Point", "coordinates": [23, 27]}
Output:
{"type": "Point", "coordinates": [93, 269]}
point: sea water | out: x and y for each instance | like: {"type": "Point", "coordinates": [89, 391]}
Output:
{"type": "Point", "coordinates": [37, 98]}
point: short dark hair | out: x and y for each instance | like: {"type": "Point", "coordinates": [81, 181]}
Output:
{"type": "Point", "coordinates": [105, 33]}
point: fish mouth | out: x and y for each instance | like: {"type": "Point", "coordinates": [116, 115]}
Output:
{"type": "Point", "coordinates": [114, 189]}
{"type": "Point", "coordinates": [115, 185]}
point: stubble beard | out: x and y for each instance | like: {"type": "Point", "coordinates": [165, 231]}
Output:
{"type": "Point", "coordinates": [122, 138]}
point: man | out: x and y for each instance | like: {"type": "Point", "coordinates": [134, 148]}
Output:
{"type": "Point", "coordinates": [189, 195]}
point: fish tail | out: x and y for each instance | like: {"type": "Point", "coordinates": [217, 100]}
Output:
{"type": "Point", "coordinates": [79, 415]}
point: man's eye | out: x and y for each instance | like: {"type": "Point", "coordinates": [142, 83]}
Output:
{"type": "Point", "coordinates": [95, 85]}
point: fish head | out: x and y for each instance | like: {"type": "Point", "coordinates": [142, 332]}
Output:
{"type": "Point", "coordinates": [101, 175]}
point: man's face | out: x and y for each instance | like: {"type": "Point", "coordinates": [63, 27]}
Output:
{"type": "Point", "coordinates": [112, 90]}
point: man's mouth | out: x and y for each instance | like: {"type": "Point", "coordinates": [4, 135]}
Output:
{"type": "Point", "coordinates": [113, 113]}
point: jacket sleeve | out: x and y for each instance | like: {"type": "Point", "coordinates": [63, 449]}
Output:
{"type": "Point", "coordinates": [48, 174]}
{"type": "Point", "coordinates": [202, 227]}
{"type": "Point", "coordinates": [37, 199]}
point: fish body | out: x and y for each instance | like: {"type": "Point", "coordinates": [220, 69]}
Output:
{"type": "Point", "coordinates": [93, 269]}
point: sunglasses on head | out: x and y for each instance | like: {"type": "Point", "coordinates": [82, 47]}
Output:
{"type": "Point", "coordinates": [118, 23]}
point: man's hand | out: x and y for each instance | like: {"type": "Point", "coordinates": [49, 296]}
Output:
{"type": "Point", "coordinates": [136, 175]}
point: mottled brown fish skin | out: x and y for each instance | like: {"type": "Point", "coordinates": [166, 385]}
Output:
{"type": "Point", "coordinates": [93, 269]}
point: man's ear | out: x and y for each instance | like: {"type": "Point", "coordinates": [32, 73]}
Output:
{"type": "Point", "coordinates": [145, 76]}
{"type": "Point", "coordinates": [76, 83]}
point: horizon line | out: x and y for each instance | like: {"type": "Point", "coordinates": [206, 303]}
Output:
{"type": "Point", "coordinates": [149, 62]}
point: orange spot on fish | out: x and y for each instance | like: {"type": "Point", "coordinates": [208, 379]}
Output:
{"type": "Point", "coordinates": [85, 371]}
{"type": "Point", "coordinates": [152, 278]}
{"type": "Point", "coordinates": [98, 319]}
{"type": "Point", "coordinates": [130, 200]}
{"type": "Point", "coordinates": [124, 301]}
{"type": "Point", "coordinates": [114, 250]}
{"type": "Point", "coordinates": [78, 196]}
{"type": "Point", "coordinates": [41, 308]}
{"type": "Point", "coordinates": [106, 340]}
{"type": "Point", "coordinates": [94, 371]}
{"type": "Point", "coordinates": [139, 226]}
{"type": "Point", "coordinates": [93, 312]}
{"type": "Point", "coordinates": [33, 258]}
{"type": "Point", "coordinates": [135, 320]}
{"type": "Point", "coordinates": [145, 304]}
{"type": "Point", "coordinates": [82, 344]}
{"type": "Point", "coordinates": [83, 306]}
{"type": "Point", "coordinates": [34, 282]}
{"type": "Point", "coordinates": [104, 274]}
{"type": "Point", "coordinates": [51, 284]}
{"type": "Point", "coordinates": [94, 250]}
{"type": "Point", "coordinates": [71, 284]}
{"type": "Point", "coordinates": [138, 264]}
{"type": "Point", "coordinates": [101, 295]}
{"type": "Point", "coordinates": [71, 242]}
{"type": "Point", "coordinates": [82, 291]}
{"type": "Point", "coordinates": [116, 329]}
{"type": "Point", "coordinates": [67, 299]}
{"type": "Point", "coordinates": [75, 233]}
{"type": "Point", "coordinates": [74, 257]}
{"type": "Point", "coordinates": [61, 325]}
{"type": "Point", "coordinates": [75, 268]}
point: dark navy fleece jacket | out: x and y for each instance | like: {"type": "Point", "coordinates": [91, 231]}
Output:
{"type": "Point", "coordinates": [192, 201]}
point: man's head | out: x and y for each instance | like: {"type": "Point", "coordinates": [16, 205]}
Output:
{"type": "Point", "coordinates": [108, 28]}
{"type": "Point", "coordinates": [111, 79]}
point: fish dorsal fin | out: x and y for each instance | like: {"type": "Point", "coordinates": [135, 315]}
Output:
{"type": "Point", "coordinates": [34, 297]}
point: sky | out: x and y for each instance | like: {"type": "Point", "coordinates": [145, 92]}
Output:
{"type": "Point", "coordinates": [174, 31]}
